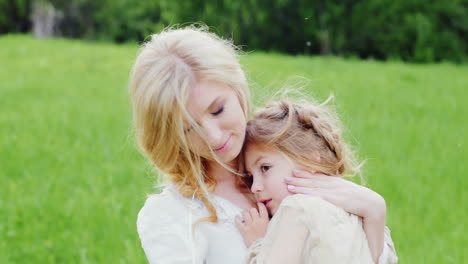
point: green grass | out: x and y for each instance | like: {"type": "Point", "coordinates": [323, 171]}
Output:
{"type": "Point", "coordinates": [72, 181]}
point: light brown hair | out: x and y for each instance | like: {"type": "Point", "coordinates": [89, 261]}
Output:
{"type": "Point", "coordinates": [308, 133]}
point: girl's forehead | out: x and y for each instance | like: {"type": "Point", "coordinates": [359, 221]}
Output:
{"type": "Point", "coordinates": [259, 150]}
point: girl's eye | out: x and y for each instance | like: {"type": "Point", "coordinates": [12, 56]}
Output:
{"type": "Point", "coordinates": [265, 168]}
{"type": "Point", "coordinates": [219, 111]}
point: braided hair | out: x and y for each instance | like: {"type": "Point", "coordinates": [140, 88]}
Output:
{"type": "Point", "coordinates": [308, 133]}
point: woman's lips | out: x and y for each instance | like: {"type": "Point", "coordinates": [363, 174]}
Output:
{"type": "Point", "coordinates": [224, 147]}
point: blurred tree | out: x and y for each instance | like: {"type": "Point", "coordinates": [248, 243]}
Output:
{"type": "Point", "coordinates": [14, 16]}
{"type": "Point", "coordinates": [412, 30]}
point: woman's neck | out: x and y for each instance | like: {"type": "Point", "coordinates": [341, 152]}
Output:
{"type": "Point", "coordinates": [226, 185]}
{"type": "Point", "coordinates": [222, 175]}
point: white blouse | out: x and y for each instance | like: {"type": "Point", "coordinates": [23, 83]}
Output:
{"type": "Point", "coordinates": [165, 228]}
{"type": "Point", "coordinates": [168, 237]}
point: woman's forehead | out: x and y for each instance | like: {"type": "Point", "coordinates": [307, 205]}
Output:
{"type": "Point", "coordinates": [204, 95]}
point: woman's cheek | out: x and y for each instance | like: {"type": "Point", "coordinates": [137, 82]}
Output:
{"type": "Point", "coordinates": [199, 146]}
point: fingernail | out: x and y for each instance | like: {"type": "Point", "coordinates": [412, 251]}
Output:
{"type": "Point", "coordinates": [291, 187]}
{"type": "Point", "coordinates": [296, 171]}
{"type": "Point", "coordinates": [288, 178]}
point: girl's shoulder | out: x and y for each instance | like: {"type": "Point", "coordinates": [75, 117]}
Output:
{"type": "Point", "coordinates": [302, 201]}
{"type": "Point", "coordinates": [317, 208]}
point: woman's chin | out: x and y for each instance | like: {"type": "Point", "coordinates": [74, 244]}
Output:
{"type": "Point", "coordinates": [227, 158]}
{"type": "Point", "coordinates": [231, 155]}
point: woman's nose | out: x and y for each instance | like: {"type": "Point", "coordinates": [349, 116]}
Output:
{"type": "Point", "coordinates": [214, 133]}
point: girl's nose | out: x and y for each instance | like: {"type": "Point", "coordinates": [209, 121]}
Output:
{"type": "Point", "coordinates": [257, 186]}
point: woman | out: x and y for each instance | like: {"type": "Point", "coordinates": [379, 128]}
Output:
{"type": "Point", "coordinates": [190, 103]}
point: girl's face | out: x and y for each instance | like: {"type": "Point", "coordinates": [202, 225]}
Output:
{"type": "Point", "coordinates": [217, 110]}
{"type": "Point", "coordinates": [268, 168]}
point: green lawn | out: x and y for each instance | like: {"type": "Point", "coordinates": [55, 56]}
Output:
{"type": "Point", "coordinates": [72, 181]}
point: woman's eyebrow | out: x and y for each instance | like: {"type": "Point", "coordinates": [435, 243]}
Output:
{"type": "Point", "coordinates": [215, 101]}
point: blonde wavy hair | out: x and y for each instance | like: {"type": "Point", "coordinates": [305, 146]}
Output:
{"type": "Point", "coordinates": [166, 69]}
{"type": "Point", "coordinates": [308, 133]}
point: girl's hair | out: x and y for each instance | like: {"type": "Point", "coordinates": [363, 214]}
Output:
{"type": "Point", "coordinates": [310, 134]}
{"type": "Point", "coordinates": [166, 69]}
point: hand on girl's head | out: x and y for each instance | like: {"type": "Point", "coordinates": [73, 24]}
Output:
{"type": "Point", "coordinates": [352, 197]}
{"type": "Point", "coordinates": [316, 184]}
{"type": "Point", "coordinates": [302, 181]}
{"type": "Point", "coordinates": [254, 224]}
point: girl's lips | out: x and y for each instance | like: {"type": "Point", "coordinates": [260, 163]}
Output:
{"type": "Point", "coordinates": [268, 203]}
{"type": "Point", "coordinates": [224, 147]}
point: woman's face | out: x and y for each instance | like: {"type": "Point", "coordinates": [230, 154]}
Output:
{"type": "Point", "coordinates": [215, 107]}
{"type": "Point", "coordinates": [268, 168]}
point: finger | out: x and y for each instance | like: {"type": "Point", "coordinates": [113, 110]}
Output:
{"type": "Point", "coordinates": [301, 190]}
{"type": "Point", "coordinates": [303, 182]}
{"type": "Point", "coordinates": [308, 175]}
{"type": "Point", "coordinates": [238, 222]}
{"type": "Point", "coordinates": [247, 217]}
{"type": "Point", "coordinates": [309, 192]}
{"type": "Point", "coordinates": [263, 210]}
{"type": "Point", "coordinates": [254, 213]}
{"type": "Point", "coordinates": [301, 173]}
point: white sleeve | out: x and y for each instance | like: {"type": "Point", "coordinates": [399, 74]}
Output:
{"type": "Point", "coordinates": [388, 255]}
{"type": "Point", "coordinates": [164, 228]}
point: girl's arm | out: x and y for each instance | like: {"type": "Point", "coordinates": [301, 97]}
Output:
{"type": "Point", "coordinates": [284, 240]}
{"type": "Point", "coordinates": [353, 198]}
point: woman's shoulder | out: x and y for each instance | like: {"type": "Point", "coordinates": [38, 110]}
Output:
{"type": "Point", "coordinates": [168, 198]}
{"type": "Point", "coordinates": [164, 223]}
{"type": "Point", "coordinates": [164, 208]}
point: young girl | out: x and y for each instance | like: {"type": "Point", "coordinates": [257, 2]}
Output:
{"type": "Point", "coordinates": [282, 138]}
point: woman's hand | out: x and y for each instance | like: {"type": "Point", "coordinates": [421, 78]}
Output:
{"type": "Point", "coordinates": [353, 198]}
{"type": "Point", "coordinates": [254, 225]}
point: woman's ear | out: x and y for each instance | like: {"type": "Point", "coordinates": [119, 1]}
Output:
{"type": "Point", "coordinates": [316, 156]}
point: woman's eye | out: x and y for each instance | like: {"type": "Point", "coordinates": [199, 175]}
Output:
{"type": "Point", "coordinates": [188, 129]}
{"type": "Point", "coordinates": [219, 111]}
{"type": "Point", "coordinates": [265, 168]}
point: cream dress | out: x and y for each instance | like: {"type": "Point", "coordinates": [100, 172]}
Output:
{"type": "Point", "coordinates": [307, 229]}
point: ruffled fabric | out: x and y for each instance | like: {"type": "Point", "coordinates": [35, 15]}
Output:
{"type": "Point", "coordinates": [307, 229]}
{"type": "Point", "coordinates": [167, 234]}
{"type": "Point", "coordinates": [163, 226]}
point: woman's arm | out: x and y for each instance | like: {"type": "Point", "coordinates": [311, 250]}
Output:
{"type": "Point", "coordinates": [353, 198]}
